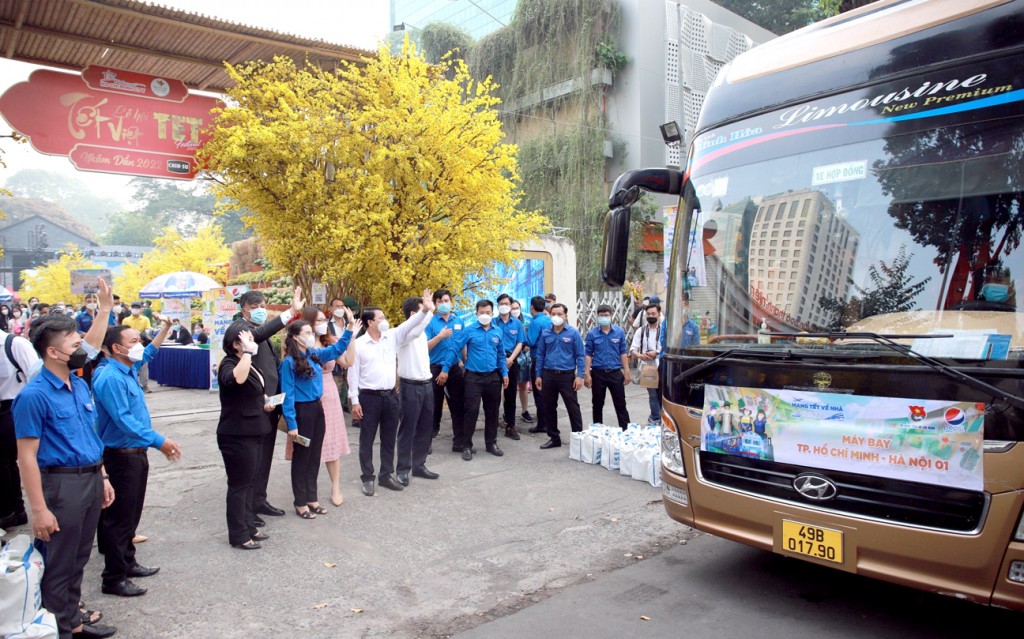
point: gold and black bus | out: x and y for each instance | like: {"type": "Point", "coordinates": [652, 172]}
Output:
{"type": "Point", "coordinates": [848, 240]}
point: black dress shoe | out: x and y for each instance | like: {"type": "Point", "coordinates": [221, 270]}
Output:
{"type": "Point", "coordinates": [388, 481]}
{"type": "Point", "coordinates": [249, 545]}
{"type": "Point", "coordinates": [526, 417]}
{"type": "Point", "coordinates": [123, 588]}
{"type": "Point", "coordinates": [14, 519]}
{"type": "Point", "coordinates": [551, 443]}
{"type": "Point", "coordinates": [260, 536]}
{"type": "Point", "coordinates": [95, 631]}
{"type": "Point", "coordinates": [267, 509]}
{"type": "Point", "coordinates": [425, 473]}
{"type": "Point", "coordinates": [538, 429]}
{"type": "Point", "coordinates": [142, 571]}
{"type": "Point", "coordinates": [467, 454]}
{"type": "Point", "coordinates": [512, 433]}
{"type": "Point", "coordinates": [368, 488]}
{"type": "Point", "coordinates": [258, 522]}
{"type": "Point", "coordinates": [494, 450]}
{"type": "Point", "coordinates": [403, 478]}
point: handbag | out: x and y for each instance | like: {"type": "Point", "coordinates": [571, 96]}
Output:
{"type": "Point", "coordinates": [648, 377]}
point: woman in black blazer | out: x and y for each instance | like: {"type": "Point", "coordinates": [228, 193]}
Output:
{"type": "Point", "coordinates": [243, 424]}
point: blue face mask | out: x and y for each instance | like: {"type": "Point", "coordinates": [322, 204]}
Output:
{"type": "Point", "coordinates": [444, 309]}
{"type": "Point", "coordinates": [258, 315]}
{"type": "Point", "coordinates": [995, 292]}
{"type": "Point", "coordinates": [604, 321]}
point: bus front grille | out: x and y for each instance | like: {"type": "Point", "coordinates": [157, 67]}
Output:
{"type": "Point", "coordinates": [889, 500]}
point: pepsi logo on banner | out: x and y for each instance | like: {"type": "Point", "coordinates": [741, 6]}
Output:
{"type": "Point", "coordinates": [955, 417]}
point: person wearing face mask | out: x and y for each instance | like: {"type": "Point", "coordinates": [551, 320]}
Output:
{"type": "Point", "coordinates": [607, 366]}
{"type": "Point", "coordinates": [5, 317]}
{"type": "Point", "coordinates": [539, 322]}
{"type": "Point", "coordinates": [646, 347]}
{"type": "Point", "coordinates": [302, 384]}
{"type": "Point", "coordinates": [266, 360]}
{"type": "Point", "coordinates": [371, 388]}
{"type": "Point", "coordinates": [415, 380]}
{"type": "Point", "coordinates": [560, 361]}
{"type": "Point", "coordinates": [335, 327]}
{"type": "Point", "coordinates": [452, 388]}
{"type": "Point", "coordinates": [16, 325]}
{"type": "Point", "coordinates": [486, 376]}
{"type": "Point", "coordinates": [181, 335]}
{"type": "Point", "coordinates": [140, 323]}
{"type": "Point", "coordinates": [118, 313]}
{"type": "Point", "coordinates": [512, 336]}
{"type": "Point", "coordinates": [87, 315]}
{"type": "Point", "coordinates": [61, 461]}
{"type": "Point", "coordinates": [126, 430]}
{"type": "Point", "coordinates": [525, 362]}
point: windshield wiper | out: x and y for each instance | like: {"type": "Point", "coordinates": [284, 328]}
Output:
{"type": "Point", "coordinates": [752, 352]}
{"type": "Point", "coordinates": [945, 369]}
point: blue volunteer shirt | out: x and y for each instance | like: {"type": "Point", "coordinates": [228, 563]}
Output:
{"type": "Point", "coordinates": [561, 351]}
{"type": "Point", "coordinates": [84, 320]}
{"type": "Point", "coordinates": [512, 333]}
{"type": "Point", "coordinates": [539, 323]}
{"type": "Point", "coordinates": [691, 334]}
{"type": "Point", "coordinates": [606, 349]}
{"type": "Point", "coordinates": [445, 349]}
{"type": "Point", "coordinates": [61, 418]}
{"type": "Point", "coordinates": [307, 389]}
{"type": "Point", "coordinates": [483, 350]}
{"type": "Point", "coordinates": [122, 417]}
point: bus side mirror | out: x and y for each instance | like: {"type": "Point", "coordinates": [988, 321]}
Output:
{"type": "Point", "coordinates": [616, 246]}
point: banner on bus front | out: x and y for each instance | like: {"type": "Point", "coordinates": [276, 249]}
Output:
{"type": "Point", "coordinates": [931, 441]}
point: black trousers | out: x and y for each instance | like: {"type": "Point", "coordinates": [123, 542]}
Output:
{"type": "Point", "coordinates": [613, 382]}
{"type": "Point", "coordinates": [129, 474]}
{"type": "Point", "coordinates": [559, 384]}
{"type": "Point", "coordinates": [455, 390]}
{"type": "Point", "coordinates": [76, 501]}
{"type": "Point", "coordinates": [485, 388]}
{"type": "Point", "coordinates": [538, 401]}
{"type": "Point", "coordinates": [416, 427]}
{"type": "Point", "coordinates": [510, 393]}
{"type": "Point", "coordinates": [11, 501]}
{"type": "Point", "coordinates": [378, 412]}
{"type": "Point", "coordinates": [266, 459]}
{"type": "Point", "coordinates": [306, 459]}
{"type": "Point", "coordinates": [241, 455]}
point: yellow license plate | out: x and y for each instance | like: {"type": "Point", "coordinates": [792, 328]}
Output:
{"type": "Point", "coordinates": [812, 541]}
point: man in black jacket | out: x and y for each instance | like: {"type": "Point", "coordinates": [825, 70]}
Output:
{"type": "Point", "coordinates": [254, 316]}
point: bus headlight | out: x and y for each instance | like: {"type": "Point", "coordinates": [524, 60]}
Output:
{"type": "Point", "coordinates": [671, 453]}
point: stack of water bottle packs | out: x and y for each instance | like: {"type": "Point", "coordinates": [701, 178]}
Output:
{"type": "Point", "coordinates": [634, 452]}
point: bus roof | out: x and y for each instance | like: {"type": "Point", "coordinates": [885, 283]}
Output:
{"type": "Point", "coordinates": [880, 40]}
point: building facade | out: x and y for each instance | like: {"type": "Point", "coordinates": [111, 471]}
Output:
{"type": "Point", "coordinates": [476, 17]}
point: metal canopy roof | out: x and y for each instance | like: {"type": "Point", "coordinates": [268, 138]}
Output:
{"type": "Point", "coordinates": [146, 38]}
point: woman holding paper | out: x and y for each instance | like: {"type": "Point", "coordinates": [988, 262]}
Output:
{"type": "Point", "coordinates": [243, 424]}
{"type": "Point", "coordinates": [303, 387]}
{"type": "Point", "coordinates": [335, 435]}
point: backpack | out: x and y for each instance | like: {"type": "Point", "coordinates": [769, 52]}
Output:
{"type": "Point", "coordinates": [9, 351]}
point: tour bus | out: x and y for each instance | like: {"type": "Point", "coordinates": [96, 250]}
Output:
{"type": "Point", "coordinates": [850, 219]}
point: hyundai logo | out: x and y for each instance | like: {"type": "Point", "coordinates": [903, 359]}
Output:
{"type": "Point", "coordinates": [815, 487]}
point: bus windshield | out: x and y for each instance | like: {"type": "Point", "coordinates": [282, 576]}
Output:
{"type": "Point", "coordinates": [895, 227]}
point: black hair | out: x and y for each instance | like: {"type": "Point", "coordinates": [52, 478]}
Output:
{"type": "Point", "coordinates": [337, 299]}
{"type": "Point", "coordinates": [438, 294]}
{"type": "Point", "coordinates": [505, 296]}
{"type": "Point", "coordinates": [303, 369]}
{"type": "Point", "coordinates": [411, 305]}
{"type": "Point", "coordinates": [604, 308]}
{"type": "Point", "coordinates": [657, 306]}
{"type": "Point", "coordinates": [231, 336]}
{"type": "Point", "coordinates": [537, 303]}
{"type": "Point", "coordinates": [369, 314]}
{"type": "Point", "coordinates": [113, 336]}
{"type": "Point", "coordinates": [253, 298]}
{"type": "Point", "coordinates": [560, 305]}
{"type": "Point", "coordinates": [554, 298]}
{"type": "Point", "coordinates": [483, 303]}
{"type": "Point", "coordinates": [45, 331]}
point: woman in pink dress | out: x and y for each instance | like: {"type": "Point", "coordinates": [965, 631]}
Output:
{"type": "Point", "coordinates": [335, 436]}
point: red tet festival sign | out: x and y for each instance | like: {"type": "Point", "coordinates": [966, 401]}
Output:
{"type": "Point", "coordinates": [112, 121]}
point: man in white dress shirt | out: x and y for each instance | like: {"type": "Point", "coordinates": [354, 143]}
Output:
{"type": "Point", "coordinates": [371, 388]}
{"type": "Point", "coordinates": [417, 397]}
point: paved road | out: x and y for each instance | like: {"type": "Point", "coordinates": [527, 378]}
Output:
{"type": "Point", "coordinates": [492, 536]}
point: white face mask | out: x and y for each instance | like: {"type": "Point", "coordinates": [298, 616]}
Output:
{"type": "Point", "coordinates": [320, 329]}
{"type": "Point", "coordinates": [557, 320]}
{"type": "Point", "coordinates": [91, 306]}
{"type": "Point", "coordinates": [136, 311]}
{"type": "Point", "coordinates": [504, 309]}
{"type": "Point", "coordinates": [309, 341]}
{"type": "Point", "coordinates": [516, 313]}
{"type": "Point", "coordinates": [383, 326]}
{"type": "Point", "coordinates": [135, 352]}
{"type": "Point", "coordinates": [484, 319]}
{"type": "Point", "coordinates": [339, 313]}
{"type": "Point", "coordinates": [117, 309]}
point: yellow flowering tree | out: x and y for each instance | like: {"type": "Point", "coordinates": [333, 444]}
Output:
{"type": "Point", "coordinates": [52, 283]}
{"type": "Point", "coordinates": [205, 253]}
{"type": "Point", "coordinates": [381, 178]}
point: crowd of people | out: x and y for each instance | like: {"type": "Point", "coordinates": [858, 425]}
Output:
{"type": "Point", "coordinates": [76, 430]}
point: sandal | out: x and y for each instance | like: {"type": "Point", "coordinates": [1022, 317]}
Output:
{"type": "Point", "coordinates": [318, 509]}
{"type": "Point", "coordinates": [305, 514]}
{"type": "Point", "coordinates": [89, 617]}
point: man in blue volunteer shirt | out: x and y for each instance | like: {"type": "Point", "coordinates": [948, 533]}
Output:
{"type": "Point", "coordinates": [539, 322]}
{"type": "Point", "coordinates": [125, 428]}
{"type": "Point", "coordinates": [439, 334]}
{"type": "Point", "coordinates": [512, 335]}
{"type": "Point", "coordinates": [560, 358]}
{"type": "Point", "coordinates": [607, 366]}
{"type": "Point", "coordinates": [486, 376]}
{"type": "Point", "coordinates": [61, 460]}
